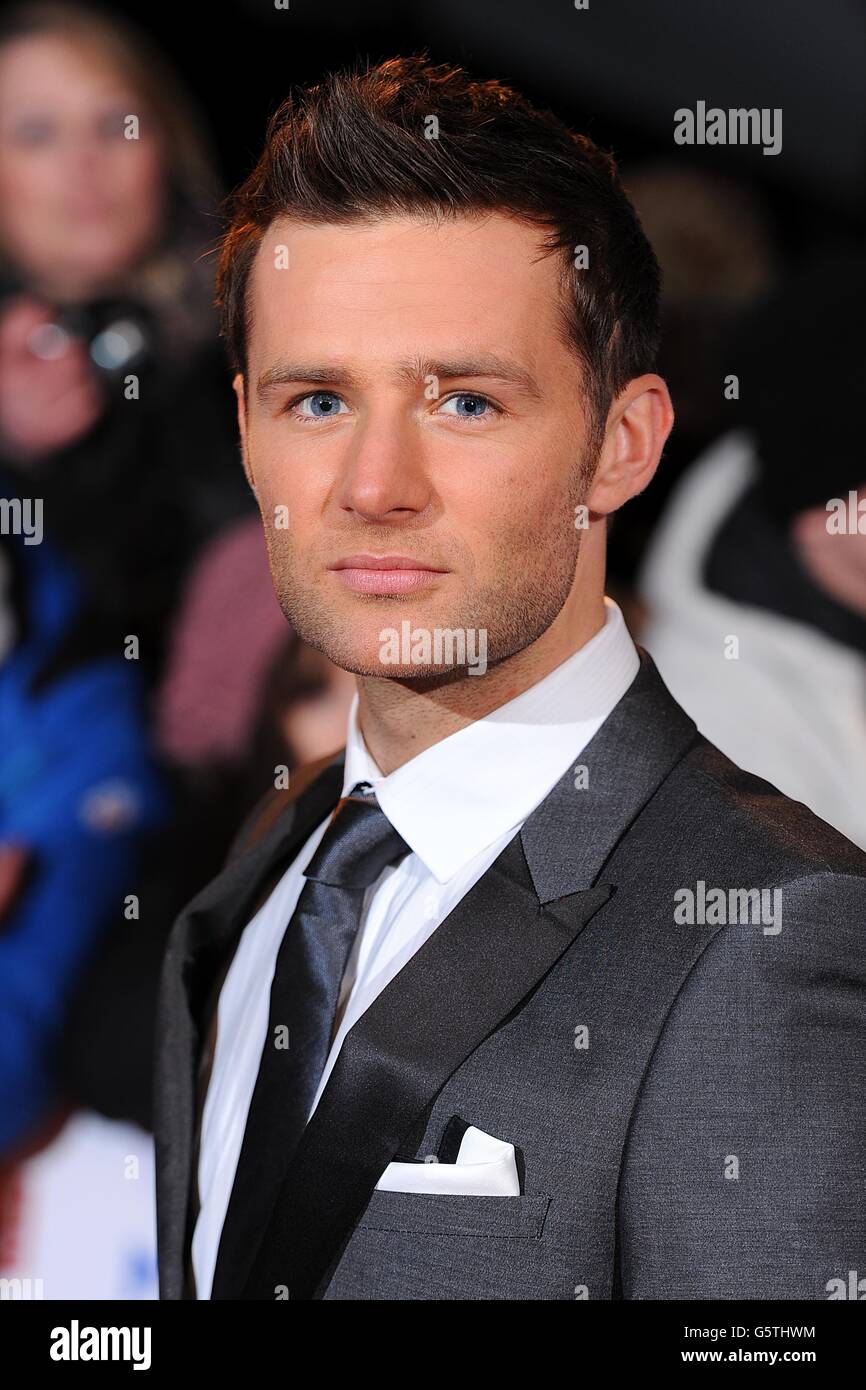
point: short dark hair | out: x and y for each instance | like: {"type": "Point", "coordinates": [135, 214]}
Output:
{"type": "Point", "coordinates": [356, 147]}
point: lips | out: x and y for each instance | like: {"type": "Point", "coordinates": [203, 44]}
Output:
{"type": "Point", "coordinates": [384, 574]}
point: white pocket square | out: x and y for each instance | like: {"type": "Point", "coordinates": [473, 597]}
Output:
{"type": "Point", "coordinates": [485, 1167]}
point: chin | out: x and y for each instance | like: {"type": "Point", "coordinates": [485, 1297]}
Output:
{"type": "Point", "coordinates": [363, 657]}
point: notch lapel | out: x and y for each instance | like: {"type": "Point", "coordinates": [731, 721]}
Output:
{"type": "Point", "coordinates": [570, 836]}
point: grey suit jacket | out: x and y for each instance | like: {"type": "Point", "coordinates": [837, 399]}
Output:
{"type": "Point", "coordinates": [684, 1081]}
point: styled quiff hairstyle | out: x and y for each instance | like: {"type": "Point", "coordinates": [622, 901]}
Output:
{"type": "Point", "coordinates": [361, 146]}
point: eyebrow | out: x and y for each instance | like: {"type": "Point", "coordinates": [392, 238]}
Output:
{"type": "Point", "coordinates": [486, 366]}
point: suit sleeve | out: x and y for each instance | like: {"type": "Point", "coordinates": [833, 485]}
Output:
{"type": "Point", "coordinates": [744, 1171]}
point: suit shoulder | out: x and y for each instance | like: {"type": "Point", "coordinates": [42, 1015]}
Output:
{"type": "Point", "coordinates": [757, 821]}
{"type": "Point", "coordinates": [273, 803]}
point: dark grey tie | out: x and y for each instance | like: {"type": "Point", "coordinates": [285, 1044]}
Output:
{"type": "Point", "coordinates": [357, 845]}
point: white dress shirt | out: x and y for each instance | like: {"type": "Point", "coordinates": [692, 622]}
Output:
{"type": "Point", "coordinates": [456, 804]}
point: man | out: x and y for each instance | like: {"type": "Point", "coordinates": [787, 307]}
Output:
{"type": "Point", "coordinates": [530, 993]}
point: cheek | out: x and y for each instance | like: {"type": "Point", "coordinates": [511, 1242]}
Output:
{"type": "Point", "coordinates": [138, 178]}
{"type": "Point", "coordinates": [27, 189]}
{"type": "Point", "coordinates": [287, 471]}
{"type": "Point", "coordinates": [289, 508]}
{"type": "Point", "coordinates": [141, 196]}
{"type": "Point", "coordinates": [31, 228]}
{"type": "Point", "coordinates": [524, 511]}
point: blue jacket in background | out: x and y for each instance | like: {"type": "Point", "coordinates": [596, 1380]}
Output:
{"type": "Point", "coordinates": [79, 790]}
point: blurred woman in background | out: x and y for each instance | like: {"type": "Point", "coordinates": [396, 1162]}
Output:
{"type": "Point", "coordinates": [114, 396]}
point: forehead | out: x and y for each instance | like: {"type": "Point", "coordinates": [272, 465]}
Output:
{"type": "Point", "coordinates": [55, 68]}
{"type": "Point", "coordinates": [389, 288]}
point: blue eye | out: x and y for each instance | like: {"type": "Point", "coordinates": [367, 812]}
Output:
{"type": "Point", "coordinates": [468, 406]}
{"type": "Point", "coordinates": [322, 405]}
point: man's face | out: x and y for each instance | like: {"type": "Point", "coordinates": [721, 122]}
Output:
{"type": "Point", "coordinates": [409, 393]}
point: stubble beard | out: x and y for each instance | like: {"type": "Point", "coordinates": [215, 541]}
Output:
{"type": "Point", "coordinates": [514, 609]}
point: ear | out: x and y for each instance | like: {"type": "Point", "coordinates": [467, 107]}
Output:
{"type": "Point", "coordinates": [238, 385]}
{"type": "Point", "coordinates": [638, 424]}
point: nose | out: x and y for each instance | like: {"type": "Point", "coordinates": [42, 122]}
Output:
{"type": "Point", "coordinates": [384, 478]}
{"type": "Point", "coordinates": [84, 161]}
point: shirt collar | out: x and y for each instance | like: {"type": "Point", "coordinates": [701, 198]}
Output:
{"type": "Point", "coordinates": [457, 797]}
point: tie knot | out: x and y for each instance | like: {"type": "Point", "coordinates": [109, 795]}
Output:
{"type": "Point", "coordinates": [358, 844]}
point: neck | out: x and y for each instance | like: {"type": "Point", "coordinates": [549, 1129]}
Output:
{"type": "Point", "coordinates": [399, 719]}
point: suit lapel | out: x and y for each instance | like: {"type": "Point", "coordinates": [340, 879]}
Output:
{"type": "Point", "coordinates": [474, 971]}
{"type": "Point", "coordinates": [571, 835]}
{"type": "Point", "coordinates": [206, 930]}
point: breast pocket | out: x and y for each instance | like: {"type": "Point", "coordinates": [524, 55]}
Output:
{"type": "Point", "coordinates": [419, 1245]}
{"type": "Point", "coordinates": [508, 1218]}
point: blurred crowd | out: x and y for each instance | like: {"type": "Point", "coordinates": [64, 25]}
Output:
{"type": "Point", "coordinates": [149, 683]}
